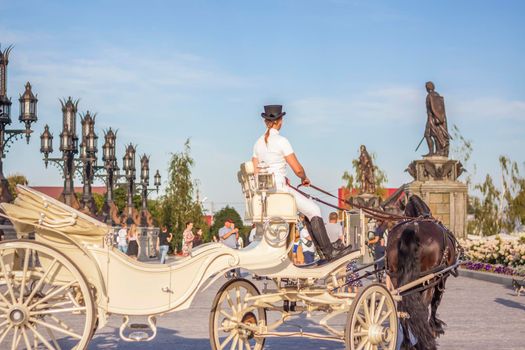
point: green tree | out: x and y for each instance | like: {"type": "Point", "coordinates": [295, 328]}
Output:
{"type": "Point", "coordinates": [512, 210]}
{"type": "Point", "coordinates": [120, 197]}
{"type": "Point", "coordinates": [154, 207]}
{"type": "Point", "coordinates": [221, 216]}
{"type": "Point", "coordinates": [99, 201]}
{"type": "Point", "coordinates": [462, 150]}
{"type": "Point", "coordinates": [16, 179]}
{"type": "Point", "coordinates": [487, 220]}
{"type": "Point", "coordinates": [178, 204]}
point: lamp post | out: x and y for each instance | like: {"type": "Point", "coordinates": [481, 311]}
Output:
{"type": "Point", "coordinates": [68, 147]}
{"type": "Point", "coordinates": [144, 182]}
{"type": "Point", "coordinates": [88, 157]}
{"type": "Point", "coordinates": [27, 116]}
{"type": "Point", "coordinates": [130, 174]}
{"type": "Point", "coordinates": [111, 176]}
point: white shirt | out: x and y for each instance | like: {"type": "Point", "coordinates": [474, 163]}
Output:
{"type": "Point", "coordinates": [304, 235]}
{"type": "Point", "coordinates": [273, 153]}
{"type": "Point", "coordinates": [334, 231]}
{"type": "Point", "coordinates": [251, 237]}
{"type": "Point", "coordinates": [121, 236]}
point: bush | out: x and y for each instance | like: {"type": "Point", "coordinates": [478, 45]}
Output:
{"type": "Point", "coordinates": [496, 251]}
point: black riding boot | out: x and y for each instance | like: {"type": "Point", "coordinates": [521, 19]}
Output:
{"type": "Point", "coordinates": [320, 237]}
{"type": "Point", "coordinates": [313, 236]}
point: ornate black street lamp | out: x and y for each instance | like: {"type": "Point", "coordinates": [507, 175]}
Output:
{"type": "Point", "coordinates": [27, 116]}
{"type": "Point", "coordinates": [68, 147]}
{"type": "Point", "coordinates": [128, 165]}
{"type": "Point", "coordinates": [88, 157]}
{"type": "Point", "coordinates": [111, 175]}
{"type": "Point", "coordinates": [144, 181]}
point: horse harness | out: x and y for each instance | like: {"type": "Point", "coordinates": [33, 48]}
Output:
{"type": "Point", "coordinates": [384, 216]}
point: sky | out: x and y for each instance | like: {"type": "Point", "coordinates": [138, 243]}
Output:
{"type": "Point", "coordinates": [347, 72]}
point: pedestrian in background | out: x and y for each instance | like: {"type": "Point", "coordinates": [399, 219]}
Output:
{"type": "Point", "coordinates": [297, 250]}
{"type": "Point", "coordinates": [229, 235]}
{"type": "Point", "coordinates": [252, 234]}
{"type": "Point", "coordinates": [335, 231]}
{"type": "Point", "coordinates": [240, 241]}
{"type": "Point", "coordinates": [133, 246]}
{"type": "Point", "coordinates": [163, 244]}
{"type": "Point", "coordinates": [378, 243]}
{"type": "Point", "coordinates": [198, 237]}
{"type": "Point", "coordinates": [187, 239]}
{"type": "Point", "coordinates": [122, 239]}
{"type": "Point", "coordinates": [307, 244]}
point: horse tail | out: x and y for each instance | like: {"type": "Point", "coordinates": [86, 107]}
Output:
{"type": "Point", "coordinates": [408, 269]}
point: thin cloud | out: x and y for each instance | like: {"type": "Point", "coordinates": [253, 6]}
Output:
{"type": "Point", "coordinates": [392, 104]}
{"type": "Point", "coordinates": [492, 108]}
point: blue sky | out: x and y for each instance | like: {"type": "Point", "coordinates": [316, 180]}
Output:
{"type": "Point", "coordinates": [347, 72]}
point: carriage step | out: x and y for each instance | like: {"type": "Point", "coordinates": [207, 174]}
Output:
{"type": "Point", "coordinates": [138, 331]}
{"type": "Point", "coordinates": [138, 326]}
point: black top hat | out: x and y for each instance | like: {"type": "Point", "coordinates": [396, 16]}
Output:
{"type": "Point", "coordinates": [273, 112]}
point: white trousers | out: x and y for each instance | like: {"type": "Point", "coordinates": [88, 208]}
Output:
{"type": "Point", "coordinates": [305, 205]}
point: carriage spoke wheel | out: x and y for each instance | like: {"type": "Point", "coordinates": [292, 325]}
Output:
{"type": "Point", "coordinates": [372, 321]}
{"type": "Point", "coordinates": [45, 302]}
{"type": "Point", "coordinates": [234, 320]}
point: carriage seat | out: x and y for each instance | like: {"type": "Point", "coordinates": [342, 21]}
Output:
{"type": "Point", "coordinates": [277, 204]}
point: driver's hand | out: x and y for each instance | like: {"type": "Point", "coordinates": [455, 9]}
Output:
{"type": "Point", "coordinates": [305, 182]}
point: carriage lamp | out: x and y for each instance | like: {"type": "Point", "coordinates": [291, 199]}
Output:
{"type": "Point", "coordinates": [265, 179]}
{"type": "Point", "coordinates": [46, 143]}
{"type": "Point", "coordinates": [28, 109]}
{"type": "Point", "coordinates": [157, 182]}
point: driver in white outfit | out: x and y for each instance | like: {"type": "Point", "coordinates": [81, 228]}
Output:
{"type": "Point", "coordinates": [276, 152]}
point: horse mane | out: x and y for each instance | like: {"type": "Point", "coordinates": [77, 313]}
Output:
{"type": "Point", "coordinates": [416, 207]}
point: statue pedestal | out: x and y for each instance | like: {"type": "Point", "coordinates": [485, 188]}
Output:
{"type": "Point", "coordinates": [435, 181]}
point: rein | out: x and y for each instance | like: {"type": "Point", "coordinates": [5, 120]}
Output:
{"type": "Point", "coordinates": [371, 212]}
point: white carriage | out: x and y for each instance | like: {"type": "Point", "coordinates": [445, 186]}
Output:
{"type": "Point", "coordinates": [57, 289]}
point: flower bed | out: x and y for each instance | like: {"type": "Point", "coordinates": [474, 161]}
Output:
{"type": "Point", "coordinates": [498, 269]}
{"type": "Point", "coordinates": [496, 251]}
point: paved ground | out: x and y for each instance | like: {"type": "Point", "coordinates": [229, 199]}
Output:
{"type": "Point", "coordinates": [480, 315]}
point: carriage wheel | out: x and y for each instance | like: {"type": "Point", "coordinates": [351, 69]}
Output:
{"type": "Point", "coordinates": [233, 319]}
{"type": "Point", "coordinates": [45, 302]}
{"type": "Point", "coordinates": [372, 321]}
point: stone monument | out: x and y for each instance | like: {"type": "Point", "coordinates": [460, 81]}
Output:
{"type": "Point", "coordinates": [436, 175]}
{"type": "Point", "coordinates": [367, 179]}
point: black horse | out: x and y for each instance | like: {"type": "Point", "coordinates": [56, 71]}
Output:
{"type": "Point", "coordinates": [414, 247]}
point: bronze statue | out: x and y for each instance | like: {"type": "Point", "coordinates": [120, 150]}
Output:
{"type": "Point", "coordinates": [366, 172]}
{"type": "Point", "coordinates": [436, 131]}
